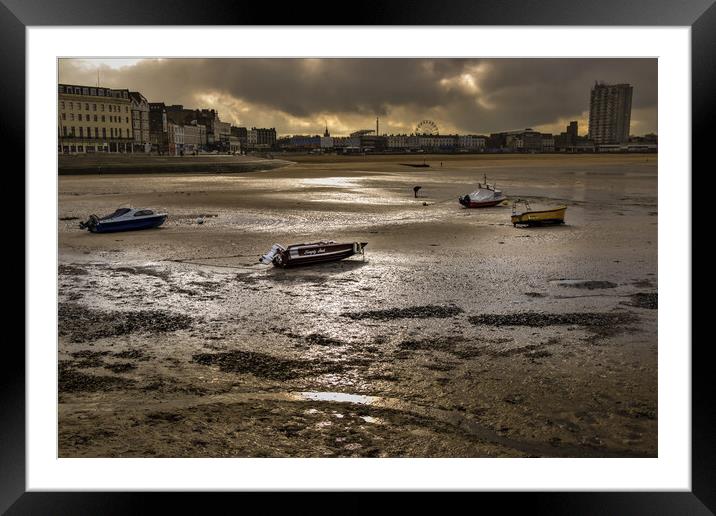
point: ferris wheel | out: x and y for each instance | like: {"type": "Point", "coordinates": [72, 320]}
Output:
{"type": "Point", "coordinates": [426, 127]}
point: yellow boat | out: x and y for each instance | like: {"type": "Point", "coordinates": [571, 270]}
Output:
{"type": "Point", "coordinates": [528, 217]}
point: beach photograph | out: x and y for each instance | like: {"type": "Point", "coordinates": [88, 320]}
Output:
{"type": "Point", "coordinates": [357, 257]}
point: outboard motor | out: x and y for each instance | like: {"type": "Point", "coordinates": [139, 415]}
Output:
{"type": "Point", "coordinates": [267, 259]}
{"type": "Point", "coordinates": [464, 200]}
{"type": "Point", "coordinates": [91, 223]}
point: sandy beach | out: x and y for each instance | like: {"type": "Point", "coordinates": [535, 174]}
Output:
{"type": "Point", "coordinates": [459, 335]}
{"type": "Point", "coordinates": [108, 163]}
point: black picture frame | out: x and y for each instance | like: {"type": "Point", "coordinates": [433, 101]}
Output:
{"type": "Point", "coordinates": [700, 15]}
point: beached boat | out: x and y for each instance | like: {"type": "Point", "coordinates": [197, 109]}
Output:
{"type": "Point", "coordinates": [124, 219]}
{"type": "Point", "coordinates": [485, 196]}
{"type": "Point", "coordinates": [530, 217]}
{"type": "Point", "coordinates": [315, 252]}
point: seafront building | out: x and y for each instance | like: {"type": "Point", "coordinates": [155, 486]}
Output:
{"type": "Point", "coordinates": [327, 142]}
{"type": "Point", "coordinates": [572, 131]}
{"type": "Point", "coordinates": [567, 141]}
{"type": "Point", "coordinates": [94, 119]}
{"type": "Point", "coordinates": [158, 127]}
{"type": "Point", "coordinates": [194, 137]}
{"type": "Point", "coordinates": [346, 143]}
{"type": "Point", "coordinates": [177, 114]}
{"type": "Point", "coordinates": [185, 139]}
{"type": "Point", "coordinates": [241, 135]}
{"type": "Point", "coordinates": [471, 142]}
{"type": "Point", "coordinates": [610, 113]}
{"type": "Point", "coordinates": [299, 142]}
{"type": "Point", "coordinates": [91, 119]}
{"type": "Point", "coordinates": [251, 139]}
{"type": "Point", "coordinates": [175, 139]}
{"type": "Point", "coordinates": [262, 138]}
{"type": "Point", "coordinates": [177, 131]}
{"type": "Point", "coordinates": [216, 132]}
{"type": "Point", "coordinates": [220, 135]}
{"type": "Point", "coordinates": [234, 144]}
{"type": "Point", "coordinates": [521, 140]}
{"type": "Point", "coordinates": [140, 122]}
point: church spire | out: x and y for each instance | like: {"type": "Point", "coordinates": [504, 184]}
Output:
{"type": "Point", "coordinates": [326, 134]}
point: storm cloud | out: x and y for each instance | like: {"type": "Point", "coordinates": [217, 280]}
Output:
{"type": "Point", "coordinates": [300, 96]}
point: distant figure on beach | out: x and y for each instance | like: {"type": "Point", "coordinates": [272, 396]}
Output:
{"type": "Point", "coordinates": [441, 163]}
{"type": "Point", "coordinates": [415, 190]}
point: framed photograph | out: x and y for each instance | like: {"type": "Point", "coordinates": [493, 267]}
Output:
{"type": "Point", "coordinates": [420, 252]}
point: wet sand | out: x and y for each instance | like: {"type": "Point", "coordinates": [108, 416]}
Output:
{"type": "Point", "coordinates": [108, 163]}
{"type": "Point", "coordinates": [458, 336]}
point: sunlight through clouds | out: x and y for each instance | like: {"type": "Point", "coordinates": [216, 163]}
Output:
{"type": "Point", "coordinates": [302, 96]}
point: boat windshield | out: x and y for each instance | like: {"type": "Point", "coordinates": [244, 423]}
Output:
{"type": "Point", "coordinates": [119, 212]}
{"type": "Point", "coordinates": [479, 195]}
{"type": "Point", "coordinates": [141, 213]}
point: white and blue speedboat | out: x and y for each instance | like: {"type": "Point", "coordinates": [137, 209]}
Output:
{"type": "Point", "coordinates": [124, 219]}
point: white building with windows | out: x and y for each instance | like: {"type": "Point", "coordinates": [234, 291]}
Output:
{"type": "Point", "coordinates": [252, 138]}
{"type": "Point", "coordinates": [175, 134]}
{"type": "Point", "coordinates": [194, 137]}
{"type": "Point", "coordinates": [91, 119]}
{"type": "Point", "coordinates": [346, 141]}
{"type": "Point", "coordinates": [399, 141]}
{"type": "Point", "coordinates": [222, 131]}
{"type": "Point", "coordinates": [437, 141]}
{"type": "Point", "coordinates": [471, 142]}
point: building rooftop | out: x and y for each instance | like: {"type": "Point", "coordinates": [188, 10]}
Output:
{"type": "Point", "coordinates": [92, 91]}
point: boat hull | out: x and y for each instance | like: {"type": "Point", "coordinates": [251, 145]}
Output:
{"type": "Point", "coordinates": [540, 218]}
{"type": "Point", "coordinates": [482, 204]}
{"type": "Point", "coordinates": [128, 225]}
{"type": "Point", "coordinates": [295, 256]}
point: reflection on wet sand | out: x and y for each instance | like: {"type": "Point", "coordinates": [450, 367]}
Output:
{"type": "Point", "coordinates": [458, 336]}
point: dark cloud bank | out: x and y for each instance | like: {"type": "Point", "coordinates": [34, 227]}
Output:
{"type": "Point", "coordinates": [463, 95]}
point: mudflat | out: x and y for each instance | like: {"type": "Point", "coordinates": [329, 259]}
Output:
{"type": "Point", "coordinates": [109, 163]}
{"type": "Point", "coordinates": [459, 335]}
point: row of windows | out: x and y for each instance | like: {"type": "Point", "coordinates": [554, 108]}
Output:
{"type": "Point", "coordinates": [102, 92]}
{"type": "Point", "coordinates": [112, 108]}
{"type": "Point", "coordinates": [114, 133]}
{"type": "Point", "coordinates": [112, 119]}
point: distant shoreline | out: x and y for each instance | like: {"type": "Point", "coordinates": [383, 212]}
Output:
{"type": "Point", "coordinates": [90, 165]}
{"type": "Point", "coordinates": [224, 164]}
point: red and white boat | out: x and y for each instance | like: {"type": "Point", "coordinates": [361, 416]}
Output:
{"type": "Point", "coordinates": [315, 252]}
{"type": "Point", "coordinates": [485, 196]}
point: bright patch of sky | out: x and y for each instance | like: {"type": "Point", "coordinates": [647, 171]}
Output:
{"type": "Point", "coordinates": [114, 63]}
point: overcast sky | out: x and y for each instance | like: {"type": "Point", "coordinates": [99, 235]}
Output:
{"type": "Point", "coordinates": [300, 96]}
